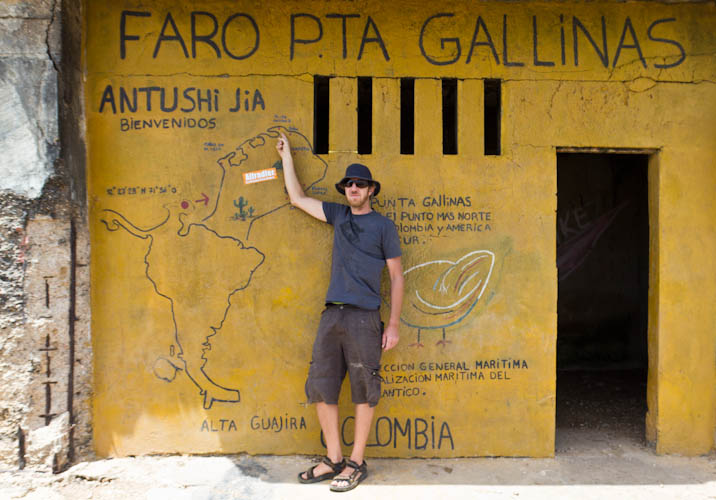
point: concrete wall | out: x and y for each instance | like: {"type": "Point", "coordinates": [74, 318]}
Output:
{"type": "Point", "coordinates": [176, 231]}
{"type": "Point", "coordinates": [207, 287]}
{"type": "Point", "coordinates": [43, 382]}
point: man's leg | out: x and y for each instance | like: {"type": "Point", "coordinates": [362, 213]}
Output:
{"type": "Point", "coordinates": [324, 383]}
{"type": "Point", "coordinates": [328, 418]}
{"type": "Point", "coordinates": [364, 419]}
{"type": "Point", "coordinates": [363, 354]}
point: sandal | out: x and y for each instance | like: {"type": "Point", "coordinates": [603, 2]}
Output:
{"type": "Point", "coordinates": [310, 478]}
{"type": "Point", "coordinates": [354, 479]}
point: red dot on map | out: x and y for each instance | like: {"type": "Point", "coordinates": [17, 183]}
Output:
{"type": "Point", "coordinates": [185, 204]}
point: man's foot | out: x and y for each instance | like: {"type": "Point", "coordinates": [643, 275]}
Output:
{"type": "Point", "coordinates": [326, 469]}
{"type": "Point", "coordinates": [351, 476]}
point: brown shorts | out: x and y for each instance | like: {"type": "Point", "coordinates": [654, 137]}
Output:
{"type": "Point", "coordinates": [348, 338]}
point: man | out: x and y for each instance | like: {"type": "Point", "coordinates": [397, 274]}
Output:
{"type": "Point", "coordinates": [350, 335]}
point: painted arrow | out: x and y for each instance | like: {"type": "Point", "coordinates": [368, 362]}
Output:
{"type": "Point", "coordinates": [204, 198]}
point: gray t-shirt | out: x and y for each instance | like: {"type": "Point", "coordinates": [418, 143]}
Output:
{"type": "Point", "coordinates": [361, 245]}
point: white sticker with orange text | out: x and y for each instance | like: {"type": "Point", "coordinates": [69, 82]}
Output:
{"type": "Point", "coordinates": [266, 174]}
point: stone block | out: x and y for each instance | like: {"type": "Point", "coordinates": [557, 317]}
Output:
{"type": "Point", "coordinates": [47, 285]}
{"type": "Point", "coordinates": [47, 446]}
{"type": "Point", "coordinates": [28, 8]}
{"type": "Point", "coordinates": [23, 38]}
{"type": "Point", "coordinates": [28, 125]}
{"type": "Point", "coordinates": [15, 367]}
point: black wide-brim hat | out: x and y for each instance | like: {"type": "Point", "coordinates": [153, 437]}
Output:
{"type": "Point", "coordinates": [358, 171]}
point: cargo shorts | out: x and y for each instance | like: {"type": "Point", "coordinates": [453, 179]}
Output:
{"type": "Point", "coordinates": [348, 339]}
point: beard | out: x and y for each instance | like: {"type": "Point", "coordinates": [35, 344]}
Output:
{"type": "Point", "coordinates": [359, 201]}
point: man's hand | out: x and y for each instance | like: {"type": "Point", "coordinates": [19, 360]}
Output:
{"type": "Point", "coordinates": [390, 337]}
{"type": "Point", "coordinates": [283, 146]}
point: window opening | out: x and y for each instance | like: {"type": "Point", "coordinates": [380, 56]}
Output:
{"type": "Point", "coordinates": [365, 115]}
{"type": "Point", "coordinates": [321, 96]}
{"type": "Point", "coordinates": [407, 116]}
{"type": "Point", "coordinates": [449, 116]}
{"type": "Point", "coordinates": [493, 113]}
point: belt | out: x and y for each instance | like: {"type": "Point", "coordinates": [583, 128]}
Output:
{"type": "Point", "coordinates": [348, 306]}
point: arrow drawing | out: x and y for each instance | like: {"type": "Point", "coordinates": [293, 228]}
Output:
{"type": "Point", "coordinates": [204, 199]}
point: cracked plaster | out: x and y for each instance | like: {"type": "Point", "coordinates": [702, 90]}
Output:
{"type": "Point", "coordinates": [29, 132]}
{"type": "Point", "coordinates": [27, 9]}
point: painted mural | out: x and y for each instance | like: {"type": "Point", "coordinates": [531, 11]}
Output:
{"type": "Point", "coordinates": [207, 285]}
{"type": "Point", "coordinates": [201, 251]}
{"type": "Point", "coordinates": [441, 293]}
{"type": "Point", "coordinates": [575, 244]}
{"type": "Point", "coordinates": [187, 232]}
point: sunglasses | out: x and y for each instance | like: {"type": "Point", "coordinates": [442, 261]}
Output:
{"type": "Point", "coordinates": [359, 183]}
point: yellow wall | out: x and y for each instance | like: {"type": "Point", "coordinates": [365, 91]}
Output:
{"type": "Point", "coordinates": [207, 290]}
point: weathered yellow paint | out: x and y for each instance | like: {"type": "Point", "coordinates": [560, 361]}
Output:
{"type": "Point", "coordinates": [190, 284]}
{"type": "Point", "coordinates": [470, 104]}
{"type": "Point", "coordinates": [386, 106]}
{"type": "Point", "coordinates": [652, 386]}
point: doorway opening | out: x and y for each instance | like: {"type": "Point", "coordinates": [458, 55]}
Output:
{"type": "Point", "coordinates": [602, 304]}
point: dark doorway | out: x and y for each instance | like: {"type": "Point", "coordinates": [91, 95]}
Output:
{"type": "Point", "coordinates": [603, 269]}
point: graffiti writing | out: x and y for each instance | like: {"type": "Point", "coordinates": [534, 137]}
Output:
{"type": "Point", "coordinates": [433, 216]}
{"type": "Point", "coordinates": [437, 372]}
{"type": "Point", "coordinates": [170, 100]}
{"type": "Point", "coordinates": [170, 33]}
{"type": "Point", "coordinates": [157, 99]}
{"type": "Point", "coordinates": [440, 40]}
{"type": "Point", "coordinates": [412, 433]}
{"type": "Point", "coordinates": [126, 124]}
{"type": "Point", "coordinates": [256, 101]}
{"type": "Point", "coordinates": [135, 99]}
{"type": "Point", "coordinates": [578, 235]}
{"type": "Point", "coordinates": [402, 392]}
{"type": "Point", "coordinates": [406, 380]}
{"type": "Point", "coordinates": [277, 423]}
{"type": "Point", "coordinates": [450, 50]}
{"type": "Point", "coordinates": [572, 222]}
{"type": "Point", "coordinates": [308, 25]}
{"type": "Point", "coordinates": [140, 190]}
{"type": "Point", "coordinates": [220, 425]}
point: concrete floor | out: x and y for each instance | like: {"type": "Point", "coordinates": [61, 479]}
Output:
{"type": "Point", "coordinates": [600, 473]}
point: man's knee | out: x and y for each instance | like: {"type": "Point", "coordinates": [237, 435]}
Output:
{"type": "Point", "coordinates": [322, 389]}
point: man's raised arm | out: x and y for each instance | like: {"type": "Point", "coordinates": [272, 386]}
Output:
{"type": "Point", "coordinates": [298, 198]}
